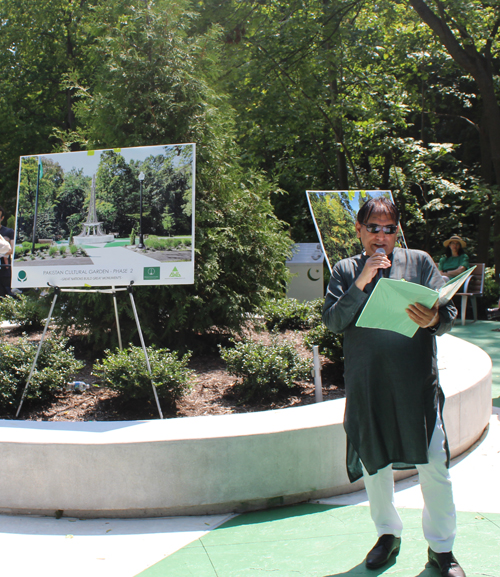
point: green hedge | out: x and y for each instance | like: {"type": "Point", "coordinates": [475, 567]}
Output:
{"type": "Point", "coordinates": [266, 370]}
{"type": "Point", "coordinates": [27, 310]}
{"type": "Point", "coordinates": [56, 366]}
{"type": "Point", "coordinates": [126, 372]}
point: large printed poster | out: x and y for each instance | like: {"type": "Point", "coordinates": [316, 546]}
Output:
{"type": "Point", "coordinates": [106, 218]}
{"type": "Point", "coordinates": [334, 213]}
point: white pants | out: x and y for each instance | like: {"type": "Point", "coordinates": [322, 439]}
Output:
{"type": "Point", "coordinates": [439, 515]}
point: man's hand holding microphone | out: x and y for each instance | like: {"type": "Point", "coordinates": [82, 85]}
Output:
{"type": "Point", "coordinates": [373, 266]}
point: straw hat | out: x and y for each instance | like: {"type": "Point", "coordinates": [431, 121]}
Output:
{"type": "Point", "coordinates": [455, 238]}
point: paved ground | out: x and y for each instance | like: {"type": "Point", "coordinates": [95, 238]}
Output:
{"type": "Point", "coordinates": [327, 538]}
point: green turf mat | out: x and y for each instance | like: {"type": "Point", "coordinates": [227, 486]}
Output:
{"type": "Point", "coordinates": [323, 541]}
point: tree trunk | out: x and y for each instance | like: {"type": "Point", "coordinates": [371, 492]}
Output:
{"type": "Point", "coordinates": [479, 67]}
{"type": "Point", "coordinates": [343, 172]}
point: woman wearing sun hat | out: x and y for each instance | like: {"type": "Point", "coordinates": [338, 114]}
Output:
{"type": "Point", "coordinates": [455, 261]}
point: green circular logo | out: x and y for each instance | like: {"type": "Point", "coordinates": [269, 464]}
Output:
{"type": "Point", "coordinates": [22, 276]}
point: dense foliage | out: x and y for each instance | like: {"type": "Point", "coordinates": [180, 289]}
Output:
{"type": "Point", "coordinates": [26, 310]}
{"type": "Point", "coordinates": [56, 365]}
{"type": "Point", "coordinates": [280, 97]}
{"type": "Point", "coordinates": [283, 314]}
{"type": "Point", "coordinates": [265, 370]}
{"type": "Point", "coordinates": [336, 94]}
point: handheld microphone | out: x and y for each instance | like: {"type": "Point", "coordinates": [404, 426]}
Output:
{"type": "Point", "coordinates": [380, 273]}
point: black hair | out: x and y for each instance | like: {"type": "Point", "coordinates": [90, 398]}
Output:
{"type": "Point", "coordinates": [378, 205]}
{"type": "Point", "coordinates": [2, 210]}
{"type": "Point", "coordinates": [448, 252]}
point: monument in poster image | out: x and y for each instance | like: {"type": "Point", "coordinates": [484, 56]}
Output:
{"type": "Point", "coordinates": [106, 218]}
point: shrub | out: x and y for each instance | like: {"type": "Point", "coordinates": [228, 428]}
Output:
{"type": "Point", "coordinates": [56, 366]}
{"type": "Point", "coordinates": [282, 314]}
{"type": "Point", "coordinates": [154, 242]}
{"type": "Point", "coordinates": [158, 243]}
{"type": "Point", "coordinates": [330, 344]}
{"type": "Point", "coordinates": [491, 288]}
{"type": "Point", "coordinates": [62, 249]}
{"type": "Point", "coordinates": [22, 250]}
{"type": "Point", "coordinates": [53, 250]}
{"type": "Point", "coordinates": [73, 249]}
{"type": "Point", "coordinates": [25, 248]}
{"type": "Point", "coordinates": [26, 310]}
{"type": "Point", "coordinates": [126, 371]}
{"type": "Point", "coordinates": [316, 312]}
{"type": "Point", "coordinates": [291, 314]}
{"type": "Point", "coordinates": [266, 370]}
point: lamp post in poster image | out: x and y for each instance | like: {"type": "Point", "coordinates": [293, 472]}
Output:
{"type": "Point", "coordinates": [141, 236]}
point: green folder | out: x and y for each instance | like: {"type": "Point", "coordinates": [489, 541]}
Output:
{"type": "Point", "coordinates": [386, 307]}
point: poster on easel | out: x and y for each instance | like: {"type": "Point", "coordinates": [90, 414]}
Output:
{"type": "Point", "coordinates": [106, 218]}
{"type": "Point", "coordinates": [334, 214]}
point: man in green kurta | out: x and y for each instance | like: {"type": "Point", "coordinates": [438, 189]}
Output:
{"type": "Point", "coordinates": [393, 415]}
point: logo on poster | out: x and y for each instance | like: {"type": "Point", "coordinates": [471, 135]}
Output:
{"type": "Point", "coordinates": [175, 273]}
{"type": "Point", "coordinates": [152, 273]}
{"type": "Point", "coordinates": [22, 276]}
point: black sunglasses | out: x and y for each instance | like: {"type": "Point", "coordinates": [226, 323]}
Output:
{"type": "Point", "coordinates": [374, 228]}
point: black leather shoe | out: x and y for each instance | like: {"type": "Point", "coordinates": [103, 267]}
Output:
{"type": "Point", "coordinates": [446, 563]}
{"type": "Point", "coordinates": [384, 549]}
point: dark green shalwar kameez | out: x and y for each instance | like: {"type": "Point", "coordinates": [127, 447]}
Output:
{"type": "Point", "coordinates": [391, 381]}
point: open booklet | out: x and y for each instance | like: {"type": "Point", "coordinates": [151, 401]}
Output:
{"type": "Point", "coordinates": [386, 307]}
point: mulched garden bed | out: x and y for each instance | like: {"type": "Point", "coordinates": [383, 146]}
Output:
{"type": "Point", "coordinates": [212, 391]}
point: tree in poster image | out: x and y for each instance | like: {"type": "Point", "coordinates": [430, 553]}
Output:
{"type": "Point", "coordinates": [71, 204]}
{"type": "Point", "coordinates": [118, 188]}
{"type": "Point", "coordinates": [335, 220]}
{"type": "Point", "coordinates": [47, 225]}
{"type": "Point", "coordinates": [166, 190]}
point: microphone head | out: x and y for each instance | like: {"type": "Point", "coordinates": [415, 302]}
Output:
{"type": "Point", "coordinates": [380, 250]}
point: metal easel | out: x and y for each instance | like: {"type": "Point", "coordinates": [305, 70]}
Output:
{"type": "Point", "coordinates": [112, 291]}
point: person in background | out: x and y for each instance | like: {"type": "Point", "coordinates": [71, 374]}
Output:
{"type": "Point", "coordinates": [455, 261]}
{"type": "Point", "coordinates": [394, 403]}
{"type": "Point", "coordinates": [5, 258]}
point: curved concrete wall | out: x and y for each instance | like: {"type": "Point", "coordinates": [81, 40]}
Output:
{"type": "Point", "coordinates": [212, 464]}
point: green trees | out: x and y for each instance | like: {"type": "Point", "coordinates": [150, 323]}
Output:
{"type": "Point", "coordinates": [280, 97]}
{"type": "Point", "coordinates": [152, 85]}
{"type": "Point", "coordinates": [326, 97]}
{"type": "Point", "coordinates": [40, 43]}
{"type": "Point", "coordinates": [469, 30]}
{"type": "Point", "coordinates": [336, 94]}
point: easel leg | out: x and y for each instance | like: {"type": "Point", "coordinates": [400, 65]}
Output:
{"type": "Point", "coordinates": [117, 320]}
{"type": "Point", "coordinates": [57, 290]}
{"type": "Point", "coordinates": [130, 292]}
